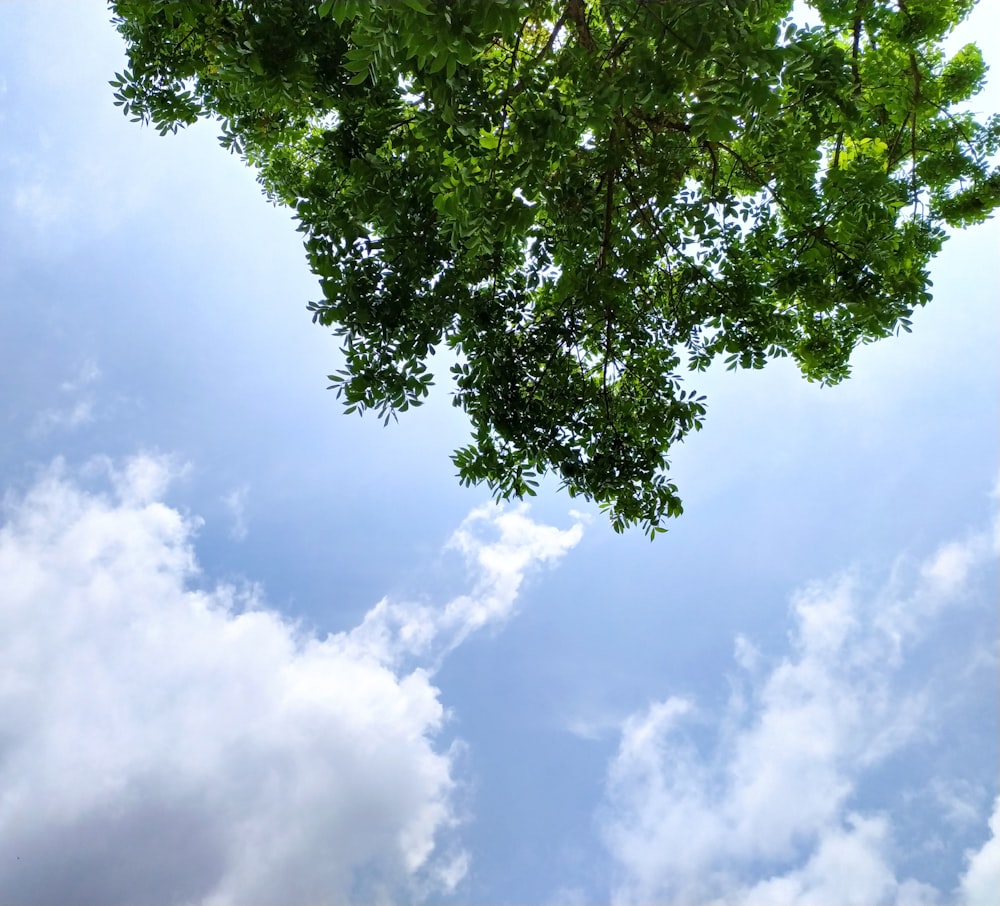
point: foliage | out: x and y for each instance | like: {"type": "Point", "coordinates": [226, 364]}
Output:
{"type": "Point", "coordinates": [585, 198]}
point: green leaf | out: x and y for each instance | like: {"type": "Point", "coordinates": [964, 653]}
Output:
{"type": "Point", "coordinates": [488, 140]}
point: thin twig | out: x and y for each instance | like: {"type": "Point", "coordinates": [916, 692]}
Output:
{"type": "Point", "coordinates": [521, 83]}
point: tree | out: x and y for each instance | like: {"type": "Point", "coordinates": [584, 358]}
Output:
{"type": "Point", "coordinates": [586, 198]}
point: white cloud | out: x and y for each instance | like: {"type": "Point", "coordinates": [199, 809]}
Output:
{"type": "Point", "coordinates": [764, 811]}
{"type": "Point", "coordinates": [849, 866]}
{"type": "Point", "coordinates": [398, 630]}
{"type": "Point", "coordinates": [981, 880]}
{"type": "Point", "coordinates": [165, 743]}
{"type": "Point", "coordinates": [958, 800]}
{"type": "Point", "coordinates": [948, 570]}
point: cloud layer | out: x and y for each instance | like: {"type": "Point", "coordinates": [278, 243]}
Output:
{"type": "Point", "coordinates": [759, 806]}
{"type": "Point", "coordinates": [167, 742]}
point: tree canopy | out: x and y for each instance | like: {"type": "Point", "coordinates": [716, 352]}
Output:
{"type": "Point", "coordinates": [586, 199]}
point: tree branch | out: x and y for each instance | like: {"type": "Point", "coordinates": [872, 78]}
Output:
{"type": "Point", "coordinates": [609, 201]}
{"type": "Point", "coordinates": [577, 11]}
{"type": "Point", "coordinates": [544, 52]}
{"type": "Point", "coordinates": [856, 46]}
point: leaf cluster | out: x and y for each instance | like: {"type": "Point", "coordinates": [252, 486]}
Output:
{"type": "Point", "coordinates": [586, 199]}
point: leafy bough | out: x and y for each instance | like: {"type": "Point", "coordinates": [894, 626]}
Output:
{"type": "Point", "coordinates": [587, 200]}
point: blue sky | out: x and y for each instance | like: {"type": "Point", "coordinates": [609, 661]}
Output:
{"type": "Point", "coordinates": [252, 650]}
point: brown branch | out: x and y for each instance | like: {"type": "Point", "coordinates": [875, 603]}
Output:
{"type": "Point", "coordinates": [642, 209]}
{"type": "Point", "coordinates": [659, 122]}
{"type": "Point", "coordinates": [890, 154]}
{"type": "Point", "coordinates": [609, 200]}
{"type": "Point", "coordinates": [960, 128]}
{"type": "Point", "coordinates": [577, 11]}
{"type": "Point", "coordinates": [667, 28]}
{"type": "Point", "coordinates": [609, 25]}
{"type": "Point", "coordinates": [608, 352]}
{"type": "Point", "coordinates": [837, 150]}
{"type": "Point", "coordinates": [715, 162]}
{"type": "Point", "coordinates": [513, 59]}
{"type": "Point", "coordinates": [615, 47]}
{"type": "Point", "coordinates": [856, 47]}
{"type": "Point", "coordinates": [544, 52]}
{"type": "Point", "coordinates": [913, 131]}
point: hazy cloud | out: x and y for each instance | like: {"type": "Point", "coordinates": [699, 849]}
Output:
{"type": "Point", "coordinates": [53, 185]}
{"type": "Point", "coordinates": [236, 502]}
{"type": "Point", "coordinates": [164, 742]}
{"type": "Point", "coordinates": [78, 408]}
{"type": "Point", "coordinates": [763, 811]}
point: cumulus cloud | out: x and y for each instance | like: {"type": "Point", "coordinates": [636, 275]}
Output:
{"type": "Point", "coordinates": [981, 879]}
{"type": "Point", "coordinates": [850, 865]}
{"type": "Point", "coordinates": [764, 811]}
{"type": "Point", "coordinates": [168, 742]}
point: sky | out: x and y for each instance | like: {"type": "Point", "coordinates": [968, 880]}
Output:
{"type": "Point", "coordinates": [256, 651]}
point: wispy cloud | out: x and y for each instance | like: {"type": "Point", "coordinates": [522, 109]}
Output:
{"type": "Point", "coordinates": [173, 744]}
{"type": "Point", "coordinates": [61, 188]}
{"type": "Point", "coordinates": [40, 204]}
{"type": "Point", "coordinates": [766, 811]}
{"type": "Point", "coordinates": [501, 545]}
{"type": "Point", "coordinates": [236, 502]}
{"type": "Point", "coordinates": [78, 410]}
